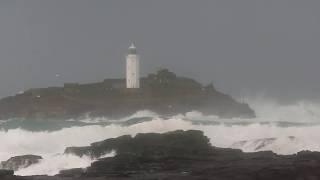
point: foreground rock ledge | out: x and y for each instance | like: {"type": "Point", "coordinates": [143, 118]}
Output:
{"type": "Point", "coordinates": [183, 155]}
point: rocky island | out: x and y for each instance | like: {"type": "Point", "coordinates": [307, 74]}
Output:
{"type": "Point", "coordinates": [164, 93]}
{"type": "Point", "coordinates": [181, 155]}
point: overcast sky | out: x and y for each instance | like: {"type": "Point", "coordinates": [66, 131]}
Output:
{"type": "Point", "coordinates": [243, 46]}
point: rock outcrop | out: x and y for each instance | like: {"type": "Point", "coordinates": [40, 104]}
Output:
{"type": "Point", "coordinates": [20, 162]}
{"type": "Point", "coordinates": [188, 155]}
{"type": "Point", "coordinates": [184, 155]}
{"type": "Point", "coordinates": [177, 144]}
{"type": "Point", "coordinates": [6, 173]}
{"type": "Point", "coordinates": [163, 92]}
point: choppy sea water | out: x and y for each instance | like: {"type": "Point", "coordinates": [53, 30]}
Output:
{"type": "Point", "coordinates": [284, 129]}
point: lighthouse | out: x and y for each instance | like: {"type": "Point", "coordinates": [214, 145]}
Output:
{"type": "Point", "coordinates": [133, 69]}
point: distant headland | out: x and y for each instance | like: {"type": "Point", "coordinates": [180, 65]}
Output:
{"type": "Point", "coordinates": [162, 92]}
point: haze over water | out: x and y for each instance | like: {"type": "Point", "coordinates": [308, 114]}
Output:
{"type": "Point", "coordinates": [245, 47]}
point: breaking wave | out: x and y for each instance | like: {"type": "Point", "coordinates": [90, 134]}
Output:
{"type": "Point", "coordinates": [52, 165]}
{"type": "Point", "coordinates": [284, 129]}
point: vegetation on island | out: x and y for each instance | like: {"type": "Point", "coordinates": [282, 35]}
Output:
{"type": "Point", "coordinates": [163, 92]}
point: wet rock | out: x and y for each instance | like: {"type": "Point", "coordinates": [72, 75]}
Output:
{"type": "Point", "coordinates": [152, 145]}
{"type": "Point", "coordinates": [186, 155]}
{"type": "Point", "coordinates": [77, 172]}
{"type": "Point", "coordinates": [4, 173]}
{"type": "Point", "coordinates": [20, 162]}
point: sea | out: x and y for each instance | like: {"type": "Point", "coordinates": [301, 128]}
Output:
{"type": "Point", "coordinates": [282, 128]}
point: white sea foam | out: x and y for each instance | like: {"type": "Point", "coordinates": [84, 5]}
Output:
{"type": "Point", "coordinates": [51, 165]}
{"type": "Point", "coordinates": [300, 120]}
{"type": "Point", "coordinates": [93, 120]}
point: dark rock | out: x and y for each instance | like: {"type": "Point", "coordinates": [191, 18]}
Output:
{"type": "Point", "coordinates": [152, 145]}
{"type": "Point", "coordinates": [163, 93]}
{"type": "Point", "coordinates": [77, 172]}
{"type": "Point", "coordinates": [4, 173]}
{"type": "Point", "coordinates": [19, 162]}
{"type": "Point", "coordinates": [99, 149]}
{"type": "Point", "coordinates": [186, 155]}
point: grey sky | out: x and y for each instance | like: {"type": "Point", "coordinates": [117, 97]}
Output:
{"type": "Point", "coordinates": [270, 46]}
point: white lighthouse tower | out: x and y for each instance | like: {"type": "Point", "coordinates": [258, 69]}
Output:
{"type": "Point", "coordinates": [133, 68]}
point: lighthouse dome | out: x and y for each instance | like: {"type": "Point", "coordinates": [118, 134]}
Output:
{"type": "Point", "coordinates": [132, 49]}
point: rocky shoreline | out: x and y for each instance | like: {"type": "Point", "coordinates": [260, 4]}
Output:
{"type": "Point", "coordinates": [182, 155]}
{"type": "Point", "coordinates": [164, 93]}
